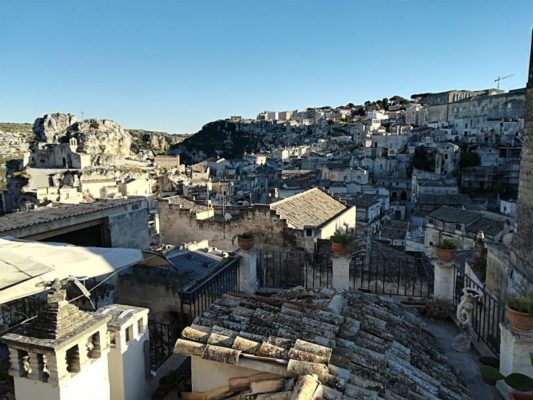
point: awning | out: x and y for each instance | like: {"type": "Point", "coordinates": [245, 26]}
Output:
{"type": "Point", "coordinates": [26, 265]}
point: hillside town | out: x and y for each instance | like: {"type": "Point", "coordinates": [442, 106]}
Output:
{"type": "Point", "coordinates": [366, 251]}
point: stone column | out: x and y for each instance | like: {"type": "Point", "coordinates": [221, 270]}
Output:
{"type": "Point", "coordinates": [341, 272]}
{"type": "Point", "coordinates": [514, 354]}
{"type": "Point", "coordinates": [248, 282]}
{"type": "Point", "coordinates": [444, 282]}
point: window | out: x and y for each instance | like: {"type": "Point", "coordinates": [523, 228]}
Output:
{"type": "Point", "coordinates": [73, 359]}
{"type": "Point", "coordinates": [308, 232]}
{"type": "Point", "coordinates": [24, 363]}
{"type": "Point", "coordinates": [458, 227]}
{"type": "Point", "coordinates": [129, 334]}
{"type": "Point", "coordinates": [140, 326]}
{"type": "Point", "coordinates": [93, 346]}
{"type": "Point", "coordinates": [44, 372]}
{"type": "Point", "coordinates": [113, 338]}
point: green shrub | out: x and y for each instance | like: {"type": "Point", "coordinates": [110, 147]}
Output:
{"type": "Point", "coordinates": [342, 238]}
{"type": "Point", "coordinates": [523, 304]}
{"type": "Point", "coordinates": [447, 244]}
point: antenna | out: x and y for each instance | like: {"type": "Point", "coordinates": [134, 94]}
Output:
{"type": "Point", "coordinates": [82, 114]}
{"type": "Point", "coordinates": [501, 78]}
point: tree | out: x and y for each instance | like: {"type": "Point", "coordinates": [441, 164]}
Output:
{"type": "Point", "coordinates": [469, 159]}
{"type": "Point", "coordinates": [422, 159]}
{"type": "Point", "coordinates": [385, 103]}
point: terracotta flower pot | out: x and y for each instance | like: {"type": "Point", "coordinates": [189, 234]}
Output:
{"type": "Point", "coordinates": [445, 254]}
{"type": "Point", "coordinates": [518, 320]}
{"type": "Point", "coordinates": [245, 243]}
{"type": "Point", "coordinates": [338, 249]}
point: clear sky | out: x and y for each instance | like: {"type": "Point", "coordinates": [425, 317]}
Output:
{"type": "Point", "coordinates": [175, 65]}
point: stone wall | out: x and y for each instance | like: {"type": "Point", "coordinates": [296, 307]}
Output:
{"type": "Point", "coordinates": [179, 225]}
{"type": "Point", "coordinates": [130, 228]}
{"type": "Point", "coordinates": [522, 244]}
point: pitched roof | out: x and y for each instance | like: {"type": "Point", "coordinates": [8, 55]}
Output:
{"type": "Point", "coordinates": [308, 209]}
{"type": "Point", "coordinates": [489, 226]}
{"type": "Point", "coordinates": [14, 221]}
{"type": "Point", "coordinates": [448, 199]}
{"type": "Point", "coordinates": [365, 200]}
{"type": "Point", "coordinates": [186, 204]}
{"type": "Point", "coordinates": [454, 215]}
{"type": "Point", "coordinates": [357, 345]}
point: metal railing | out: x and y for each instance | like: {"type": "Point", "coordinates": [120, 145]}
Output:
{"type": "Point", "coordinates": [16, 311]}
{"type": "Point", "coordinates": [487, 315]}
{"type": "Point", "coordinates": [163, 336]}
{"type": "Point", "coordinates": [380, 274]}
{"type": "Point", "coordinates": [284, 270]}
{"type": "Point", "coordinates": [197, 296]}
{"type": "Point", "coordinates": [399, 276]}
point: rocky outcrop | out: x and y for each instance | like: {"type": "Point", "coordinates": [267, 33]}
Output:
{"type": "Point", "coordinates": [104, 140]}
{"type": "Point", "coordinates": [51, 127]}
{"type": "Point", "coordinates": [143, 141]}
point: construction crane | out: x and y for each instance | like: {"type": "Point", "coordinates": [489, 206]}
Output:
{"type": "Point", "coordinates": [501, 78]}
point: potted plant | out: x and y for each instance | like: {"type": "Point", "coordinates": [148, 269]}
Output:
{"type": "Point", "coordinates": [340, 243]}
{"type": "Point", "coordinates": [490, 362]}
{"type": "Point", "coordinates": [519, 312]}
{"type": "Point", "coordinates": [245, 240]}
{"type": "Point", "coordinates": [520, 382]}
{"type": "Point", "coordinates": [445, 250]}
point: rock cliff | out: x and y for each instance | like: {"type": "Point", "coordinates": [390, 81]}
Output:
{"type": "Point", "coordinates": [106, 141]}
{"type": "Point", "coordinates": [143, 141]}
{"type": "Point", "coordinates": [51, 127]}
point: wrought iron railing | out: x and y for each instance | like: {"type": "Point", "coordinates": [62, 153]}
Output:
{"type": "Point", "coordinates": [393, 275]}
{"type": "Point", "coordinates": [284, 270]}
{"type": "Point", "coordinates": [487, 315]}
{"type": "Point", "coordinates": [197, 296]}
{"type": "Point", "coordinates": [163, 336]}
{"type": "Point", "coordinates": [381, 274]}
{"type": "Point", "coordinates": [16, 311]}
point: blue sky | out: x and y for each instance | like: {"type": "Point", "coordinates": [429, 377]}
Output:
{"type": "Point", "coordinates": [176, 65]}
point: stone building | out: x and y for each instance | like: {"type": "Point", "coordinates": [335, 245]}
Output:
{"type": "Point", "coordinates": [57, 155]}
{"type": "Point", "coordinates": [292, 223]}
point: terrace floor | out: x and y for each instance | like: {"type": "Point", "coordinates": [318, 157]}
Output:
{"type": "Point", "coordinates": [466, 364]}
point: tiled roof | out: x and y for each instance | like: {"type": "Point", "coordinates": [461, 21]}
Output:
{"type": "Point", "coordinates": [365, 200]}
{"type": "Point", "coordinates": [447, 199]}
{"type": "Point", "coordinates": [186, 204]}
{"type": "Point", "coordinates": [354, 345]}
{"type": "Point", "coordinates": [20, 220]}
{"type": "Point", "coordinates": [488, 226]}
{"type": "Point", "coordinates": [454, 215]}
{"type": "Point", "coordinates": [308, 209]}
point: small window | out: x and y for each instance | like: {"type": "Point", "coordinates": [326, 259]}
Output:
{"type": "Point", "coordinates": [140, 326]}
{"type": "Point", "coordinates": [73, 359]}
{"type": "Point", "coordinates": [24, 363]}
{"type": "Point", "coordinates": [458, 227]}
{"type": "Point", "coordinates": [93, 346]}
{"type": "Point", "coordinates": [113, 338]}
{"type": "Point", "coordinates": [44, 372]}
{"type": "Point", "coordinates": [308, 232]}
{"type": "Point", "coordinates": [129, 334]}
